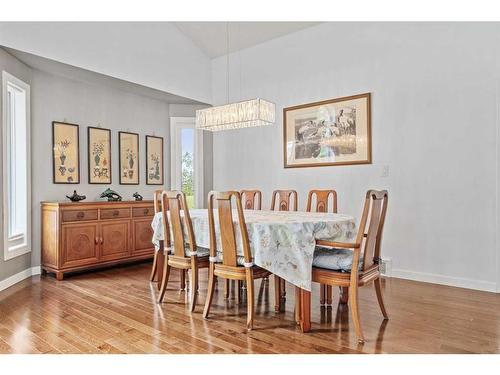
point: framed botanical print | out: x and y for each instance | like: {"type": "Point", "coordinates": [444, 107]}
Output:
{"type": "Point", "coordinates": [99, 155]}
{"type": "Point", "coordinates": [154, 160]}
{"type": "Point", "coordinates": [331, 132]}
{"type": "Point", "coordinates": [128, 143]}
{"type": "Point", "coordinates": [65, 153]}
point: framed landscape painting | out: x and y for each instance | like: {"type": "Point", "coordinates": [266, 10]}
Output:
{"type": "Point", "coordinates": [327, 133]}
{"type": "Point", "coordinates": [99, 154]}
{"type": "Point", "coordinates": [154, 160]}
{"type": "Point", "coordinates": [128, 143]}
{"type": "Point", "coordinates": [65, 153]}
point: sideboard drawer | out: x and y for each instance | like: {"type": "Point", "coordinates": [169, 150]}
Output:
{"type": "Point", "coordinates": [79, 215]}
{"type": "Point", "coordinates": [143, 211]}
{"type": "Point", "coordinates": [115, 213]}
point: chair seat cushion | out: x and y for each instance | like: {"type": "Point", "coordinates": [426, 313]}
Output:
{"type": "Point", "coordinates": [334, 259]}
{"type": "Point", "coordinates": [200, 251]}
{"type": "Point", "coordinates": [240, 259]}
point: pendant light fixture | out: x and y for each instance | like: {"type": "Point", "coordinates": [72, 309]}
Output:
{"type": "Point", "coordinates": [244, 114]}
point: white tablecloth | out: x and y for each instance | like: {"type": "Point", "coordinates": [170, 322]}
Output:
{"type": "Point", "coordinates": [281, 242]}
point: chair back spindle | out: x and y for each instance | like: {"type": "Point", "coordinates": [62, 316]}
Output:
{"type": "Point", "coordinates": [284, 199]}
{"type": "Point", "coordinates": [157, 200]}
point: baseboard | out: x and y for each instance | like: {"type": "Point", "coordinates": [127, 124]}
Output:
{"type": "Point", "coordinates": [20, 276]}
{"type": "Point", "coordinates": [487, 286]}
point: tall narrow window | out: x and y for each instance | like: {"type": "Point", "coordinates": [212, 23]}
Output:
{"type": "Point", "coordinates": [187, 160]}
{"type": "Point", "coordinates": [16, 166]}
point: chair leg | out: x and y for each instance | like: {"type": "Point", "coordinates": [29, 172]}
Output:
{"type": "Point", "coordinates": [239, 292]}
{"type": "Point", "coordinates": [283, 288]}
{"type": "Point", "coordinates": [344, 294]}
{"type": "Point", "coordinates": [353, 303]}
{"type": "Point", "coordinates": [154, 268]}
{"type": "Point", "coordinates": [227, 288]}
{"type": "Point", "coordinates": [164, 279]}
{"type": "Point", "coordinates": [210, 291]}
{"type": "Point", "coordinates": [322, 294]}
{"type": "Point", "coordinates": [183, 279]}
{"type": "Point", "coordinates": [329, 295]}
{"type": "Point", "coordinates": [277, 293]}
{"type": "Point", "coordinates": [194, 285]}
{"type": "Point", "coordinates": [378, 290]}
{"type": "Point", "coordinates": [250, 299]}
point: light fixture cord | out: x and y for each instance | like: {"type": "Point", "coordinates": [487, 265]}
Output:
{"type": "Point", "coordinates": [227, 62]}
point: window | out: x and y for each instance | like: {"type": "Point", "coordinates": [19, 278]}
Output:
{"type": "Point", "coordinates": [16, 166]}
{"type": "Point", "coordinates": [187, 160]}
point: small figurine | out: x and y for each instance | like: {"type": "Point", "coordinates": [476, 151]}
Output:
{"type": "Point", "coordinates": [137, 196]}
{"type": "Point", "coordinates": [112, 196]}
{"type": "Point", "coordinates": [75, 197]}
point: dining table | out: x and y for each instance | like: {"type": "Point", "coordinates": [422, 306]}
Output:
{"type": "Point", "coordinates": [282, 242]}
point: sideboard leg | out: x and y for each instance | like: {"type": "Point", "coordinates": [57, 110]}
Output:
{"type": "Point", "coordinates": [59, 275]}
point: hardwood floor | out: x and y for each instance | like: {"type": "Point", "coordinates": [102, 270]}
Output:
{"type": "Point", "coordinates": [114, 311]}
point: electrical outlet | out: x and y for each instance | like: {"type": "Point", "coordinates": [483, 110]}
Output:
{"type": "Point", "coordinates": [385, 267]}
{"type": "Point", "coordinates": [385, 171]}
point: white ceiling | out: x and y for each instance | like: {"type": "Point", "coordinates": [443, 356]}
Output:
{"type": "Point", "coordinates": [210, 37]}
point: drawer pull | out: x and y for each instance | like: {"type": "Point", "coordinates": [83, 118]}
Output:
{"type": "Point", "coordinates": [80, 215]}
{"type": "Point", "coordinates": [146, 211]}
{"type": "Point", "coordinates": [116, 213]}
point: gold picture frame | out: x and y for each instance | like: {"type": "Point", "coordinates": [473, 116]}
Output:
{"type": "Point", "coordinates": [128, 144]}
{"type": "Point", "coordinates": [99, 155]}
{"type": "Point", "coordinates": [65, 153]}
{"type": "Point", "coordinates": [328, 133]}
{"type": "Point", "coordinates": [154, 160]}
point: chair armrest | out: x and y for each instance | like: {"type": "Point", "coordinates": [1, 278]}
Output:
{"type": "Point", "coordinates": [343, 245]}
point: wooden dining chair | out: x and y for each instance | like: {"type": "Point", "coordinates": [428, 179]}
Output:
{"type": "Point", "coordinates": [226, 262]}
{"type": "Point", "coordinates": [252, 199]}
{"type": "Point", "coordinates": [321, 199]}
{"type": "Point", "coordinates": [180, 256]}
{"type": "Point", "coordinates": [157, 207]}
{"type": "Point", "coordinates": [284, 198]}
{"type": "Point", "coordinates": [352, 265]}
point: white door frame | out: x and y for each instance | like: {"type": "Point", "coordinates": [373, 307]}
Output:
{"type": "Point", "coordinates": [176, 126]}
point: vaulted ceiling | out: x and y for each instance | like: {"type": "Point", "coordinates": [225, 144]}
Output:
{"type": "Point", "coordinates": [211, 37]}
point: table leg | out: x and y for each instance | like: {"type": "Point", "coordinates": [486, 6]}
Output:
{"type": "Point", "coordinates": [305, 310]}
{"type": "Point", "coordinates": [160, 260]}
{"type": "Point", "coordinates": [344, 294]}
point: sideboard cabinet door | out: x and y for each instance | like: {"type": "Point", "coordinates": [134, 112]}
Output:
{"type": "Point", "coordinates": [79, 245]}
{"type": "Point", "coordinates": [114, 240]}
{"type": "Point", "coordinates": [143, 235]}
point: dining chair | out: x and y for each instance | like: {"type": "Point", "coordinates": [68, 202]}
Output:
{"type": "Point", "coordinates": [285, 198]}
{"type": "Point", "coordinates": [252, 199]}
{"type": "Point", "coordinates": [321, 199]}
{"type": "Point", "coordinates": [352, 265]}
{"type": "Point", "coordinates": [191, 257]}
{"type": "Point", "coordinates": [157, 208]}
{"type": "Point", "coordinates": [226, 262]}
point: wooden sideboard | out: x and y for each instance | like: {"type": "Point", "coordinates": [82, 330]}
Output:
{"type": "Point", "coordinates": [86, 235]}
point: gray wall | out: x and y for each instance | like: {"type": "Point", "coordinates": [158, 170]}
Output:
{"type": "Point", "coordinates": [60, 99]}
{"type": "Point", "coordinates": [434, 123]}
{"type": "Point", "coordinates": [24, 73]}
